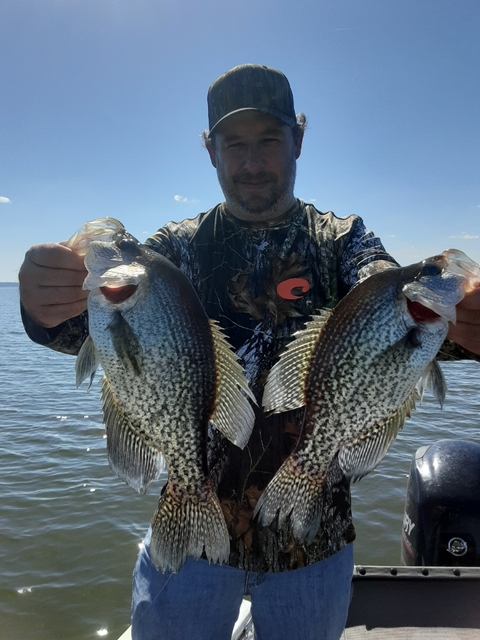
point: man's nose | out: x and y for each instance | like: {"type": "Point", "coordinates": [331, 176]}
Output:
{"type": "Point", "coordinates": [253, 160]}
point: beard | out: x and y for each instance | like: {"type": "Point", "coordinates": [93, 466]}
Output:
{"type": "Point", "coordinates": [258, 206]}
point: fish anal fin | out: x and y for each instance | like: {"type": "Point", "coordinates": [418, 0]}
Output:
{"type": "Point", "coordinates": [285, 387]}
{"type": "Point", "coordinates": [126, 344]}
{"type": "Point", "coordinates": [363, 454]}
{"type": "Point", "coordinates": [131, 456]}
{"type": "Point", "coordinates": [87, 362]}
{"type": "Point", "coordinates": [233, 415]}
{"type": "Point", "coordinates": [187, 525]}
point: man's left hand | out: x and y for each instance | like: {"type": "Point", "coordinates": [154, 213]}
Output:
{"type": "Point", "coordinates": [466, 332]}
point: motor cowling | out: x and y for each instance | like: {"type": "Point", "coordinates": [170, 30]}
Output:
{"type": "Point", "coordinates": [441, 524]}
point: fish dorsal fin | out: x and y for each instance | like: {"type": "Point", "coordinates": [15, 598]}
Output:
{"type": "Point", "coordinates": [131, 457]}
{"type": "Point", "coordinates": [126, 344]}
{"type": "Point", "coordinates": [433, 380]}
{"type": "Point", "coordinates": [87, 362]}
{"type": "Point", "coordinates": [233, 415]}
{"type": "Point", "coordinates": [359, 457]}
{"type": "Point", "coordinates": [285, 387]}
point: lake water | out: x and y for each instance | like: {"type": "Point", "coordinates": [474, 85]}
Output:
{"type": "Point", "coordinates": [70, 530]}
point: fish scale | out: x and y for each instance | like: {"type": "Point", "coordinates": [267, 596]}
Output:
{"type": "Point", "coordinates": [356, 369]}
{"type": "Point", "coordinates": [169, 373]}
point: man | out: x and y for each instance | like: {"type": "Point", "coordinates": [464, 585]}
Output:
{"type": "Point", "coordinates": [261, 262]}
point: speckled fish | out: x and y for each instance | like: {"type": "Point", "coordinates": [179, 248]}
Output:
{"type": "Point", "coordinates": [169, 373]}
{"type": "Point", "coordinates": [359, 370]}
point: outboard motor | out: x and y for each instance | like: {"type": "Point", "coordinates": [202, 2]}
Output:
{"type": "Point", "coordinates": [441, 523]}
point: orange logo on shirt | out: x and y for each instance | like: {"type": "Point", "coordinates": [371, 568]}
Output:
{"type": "Point", "coordinates": [286, 288]}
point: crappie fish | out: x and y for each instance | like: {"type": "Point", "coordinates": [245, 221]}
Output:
{"type": "Point", "coordinates": [356, 370]}
{"type": "Point", "coordinates": [169, 373]}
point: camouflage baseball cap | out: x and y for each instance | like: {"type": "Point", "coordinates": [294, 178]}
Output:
{"type": "Point", "coordinates": [250, 87]}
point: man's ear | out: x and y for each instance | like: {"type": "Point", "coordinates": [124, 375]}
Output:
{"type": "Point", "coordinates": [212, 154]}
{"type": "Point", "coordinates": [298, 143]}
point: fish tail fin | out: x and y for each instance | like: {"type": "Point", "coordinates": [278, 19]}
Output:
{"type": "Point", "coordinates": [296, 493]}
{"type": "Point", "coordinates": [187, 525]}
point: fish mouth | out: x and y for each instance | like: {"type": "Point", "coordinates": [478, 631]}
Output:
{"type": "Point", "coordinates": [421, 313]}
{"type": "Point", "coordinates": [426, 305]}
{"type": "Point", "coordinates": [116, 295]}
{"type": "Point", "coordinates": [122, 279]}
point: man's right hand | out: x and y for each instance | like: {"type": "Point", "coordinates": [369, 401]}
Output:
{"type": "Point", "coordinates": [51, 279]}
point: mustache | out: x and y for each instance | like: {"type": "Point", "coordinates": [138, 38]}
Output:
{"type": "Point", "coordinates": [256, 178]}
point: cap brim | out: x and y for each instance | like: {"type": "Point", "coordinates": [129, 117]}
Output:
{"type": "Point", "coordinates": [289, 121]}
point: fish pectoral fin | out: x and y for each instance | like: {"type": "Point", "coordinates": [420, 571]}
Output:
{"type": "Point", "coordinates": [410, 341]}
{"type": "Point", "coordinates": [362, 455]}
{"type": "Point", "coordinates": [131, 456]}
{"type": "Point", "coordinates": [433, 380]}
{"type": "Point", "coordinates": [233, 415]}
{"type": "Point", "coordinates": [285, 387]}
{"type": "Point", "coordinates": [87, 362]}
{"type": "Point", "coordinates": [126, 344]}
{"type": "Point", "coordinates": [187, 525]}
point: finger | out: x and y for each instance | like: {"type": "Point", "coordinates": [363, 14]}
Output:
{"type": "Point", "coordinates": [468, 315]}
{"type": "Point", "coordinates": [51, 265]}
{"type": "Point", "coordinates": [53, 315]}
{"type": "Point", "coordinates": [468, 309]}
{"type": "Point", "coordinates": [62, 295]}
{"type": "Point", "coordinates": [55, 256]}
{"type": "Point", "coordinates": [51, 280]}
{"type": "Point", "coordinates": [471, 300]}
{"type": "Point", "coordinates": [51, 308]}
{"type": "Point", "coordinates": [466, 335]}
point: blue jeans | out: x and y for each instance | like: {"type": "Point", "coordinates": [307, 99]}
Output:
{"type": "Point", "coordinates": [202, 600]}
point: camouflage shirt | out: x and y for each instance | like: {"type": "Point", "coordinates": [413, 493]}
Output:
{"type": "Point", "coordinates": [262, 282]}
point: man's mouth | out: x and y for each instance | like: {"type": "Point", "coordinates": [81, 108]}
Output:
{"type": "Point", "coordinates": [253, 181]}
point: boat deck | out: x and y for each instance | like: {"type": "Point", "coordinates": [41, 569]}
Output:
{"type": "Point", "coordinates": [410, 633]}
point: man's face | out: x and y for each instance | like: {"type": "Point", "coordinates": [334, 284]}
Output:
{"type": "Point", "coordinates": [255, 157]}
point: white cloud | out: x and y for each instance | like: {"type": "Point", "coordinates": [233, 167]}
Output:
{"type": "Point", "coordinates": [464, 236]}
{"type": "Point", "coordinates": [4, 200]}
{"type": "Point", "coordinates": [183, 199]}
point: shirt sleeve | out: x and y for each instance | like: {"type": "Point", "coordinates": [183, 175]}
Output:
{"type": "Point", "coordinates": [363, 254]}
{"type": "Point", "coordinates": [163, 242]}
{"type": "Point", "coordinates": [67, 337]}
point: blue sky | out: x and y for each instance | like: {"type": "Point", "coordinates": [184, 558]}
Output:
{"type": "Point", "coordinates": [102, 103]}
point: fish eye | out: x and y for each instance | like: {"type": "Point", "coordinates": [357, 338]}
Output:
{"type": "Point", "coordinates": [430, 269]}
{"type": "Point", "coordinates": [127, 244]}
